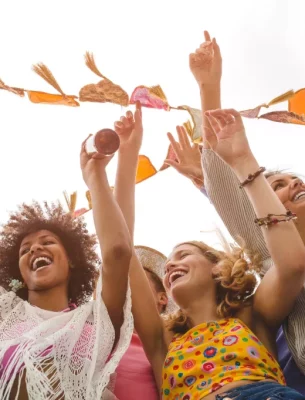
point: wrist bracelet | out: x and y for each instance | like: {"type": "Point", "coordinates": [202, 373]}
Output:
{"type": "Point", "coordinates": [251, 177]}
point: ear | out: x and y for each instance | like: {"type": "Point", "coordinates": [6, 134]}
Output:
{"type": "Point", "coordinates": [162, 298]}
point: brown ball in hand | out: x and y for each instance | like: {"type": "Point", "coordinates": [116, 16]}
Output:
{"type": "Point", "coordinates": [106, 142]}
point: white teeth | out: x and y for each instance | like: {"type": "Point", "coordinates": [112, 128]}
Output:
{"type": "Point", "coordinates": [298, 196]}
{"type": "Point", "coordinates": [38, 260]}
{"type": "Point", "coordinates": [175, 275]}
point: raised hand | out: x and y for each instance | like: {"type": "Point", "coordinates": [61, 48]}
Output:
{"type": "Point", "coordinates": [92, 165]}
{"type": "Point", "coordinates": [188, 156]}
{"type": "Point", "coordinates": [130, 130]}
{"type": "Point", "coordinates": [226, 136]}
{"type": "Point", "coordinates": [206, 62]}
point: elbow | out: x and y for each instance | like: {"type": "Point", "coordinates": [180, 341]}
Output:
{"type": "Point", "coordinates": [299, 265]}
{"type": "Point", "coordinates": [119, 253]}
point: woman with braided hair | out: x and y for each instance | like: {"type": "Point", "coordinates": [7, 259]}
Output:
{"type": "Point", "coordinates": [55, 343]}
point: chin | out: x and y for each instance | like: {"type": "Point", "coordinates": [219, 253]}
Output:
{"type": "Point", "coordinates": [179, 292]}
{"type": "Point", "coordinates": [45, 284]}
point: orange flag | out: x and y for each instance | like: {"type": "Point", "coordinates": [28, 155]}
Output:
{"type": "Point", "coordinates": [145, 169]}
{"type": "Point", "coordinates": [296, 104]}
{"type": "Point", "coordinates": [48, 98]}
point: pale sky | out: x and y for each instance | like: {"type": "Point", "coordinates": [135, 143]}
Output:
{"type": "Point", "coordinates": [141, 43]}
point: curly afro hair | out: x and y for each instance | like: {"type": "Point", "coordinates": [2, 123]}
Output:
{"type": "Point", "coordinates": [78, 243]}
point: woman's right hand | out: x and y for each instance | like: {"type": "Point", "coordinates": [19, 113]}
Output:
{"type": "Point", "coordinates": [130, 130]}
{"type": "Point", "coordinates": [188, 156]}
{"type": "Point", "coordinates": [226, 136]}
{"type": "Point", "coordinates": [206, 63]}
{"type": "Point", "coordinates": [93, 166]}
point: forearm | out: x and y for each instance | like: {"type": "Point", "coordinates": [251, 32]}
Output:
{"type": "Point", "coordinates": [232, 204]}
{"type": "Point", "coordinates": [283, 240]}
{"type": "Point", "coordinates": [110, 225]}
{"type": "Point", "coordinates": [146, 318]}
{"type": "Point", "coordinates": [124, 189]}
{"type": "Point", "coordinates": [210, 100]}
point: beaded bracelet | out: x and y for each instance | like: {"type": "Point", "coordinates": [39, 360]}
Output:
{"type": "Point", "coordinates": [270, 220]}
{"type": "Point", "coordinates": [251, 177]}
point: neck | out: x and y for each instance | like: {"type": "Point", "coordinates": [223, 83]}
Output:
{"type": "Point", "coordinates": [55, 299]}
{"type": "Point", "coordinates": [201, 310]}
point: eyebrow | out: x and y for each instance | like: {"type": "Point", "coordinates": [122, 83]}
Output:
{"type": "Point", "coordinates": [283, 179]}
{"type": "Point", "coordinates": [278, 180]}
{"type": "Point", "coordinates": [40, 237]}
{"type": "Point", "coordinates": [177, 253]}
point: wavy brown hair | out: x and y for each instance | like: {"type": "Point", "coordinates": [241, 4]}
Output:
{"type": "Point", "coordinates": [236, 280]}
{"type": "Point", "coordinates": [78, 243]}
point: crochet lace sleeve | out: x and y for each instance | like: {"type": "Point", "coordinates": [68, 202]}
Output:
{"type": "Point", "coordinates": [122, 345]}
{"type": "Point", "coordinates": [232, 203]}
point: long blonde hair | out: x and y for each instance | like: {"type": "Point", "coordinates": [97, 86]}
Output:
{"type": "Point", "coordinates": [235, 279]}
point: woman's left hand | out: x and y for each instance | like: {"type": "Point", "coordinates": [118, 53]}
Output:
{"type": "Point", "coordinates": [92, 165]}
{"type": "Point", "coordinates": [227, 136]}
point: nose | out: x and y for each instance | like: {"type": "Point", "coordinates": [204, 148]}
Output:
{"type": "Point", "coordinates": [170, 265]}
{"type": "Point", "coordinates": [35, 247]}
{"type": "Point", "coordinates": [295, 183]}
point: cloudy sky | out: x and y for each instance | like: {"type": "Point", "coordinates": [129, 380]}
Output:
{"type": "Point", "coordinates": [141, 42]}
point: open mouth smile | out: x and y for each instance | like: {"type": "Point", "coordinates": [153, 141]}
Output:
{"type": "Point", "coordinates": [40, 262]}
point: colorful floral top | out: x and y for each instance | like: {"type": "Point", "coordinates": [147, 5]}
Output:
{"type": "Point", "coordinates": [212, 355]}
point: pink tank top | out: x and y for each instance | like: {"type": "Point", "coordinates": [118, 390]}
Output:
{"type": "Point", "coordinates": [134, 375]}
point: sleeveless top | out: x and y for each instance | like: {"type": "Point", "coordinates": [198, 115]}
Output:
{"type": "Point", "coordinates": [213, 354]}
{"type": "Point", "coordinates": [4, 364]}
{"type": "Point", "coordinates": [134, 375]}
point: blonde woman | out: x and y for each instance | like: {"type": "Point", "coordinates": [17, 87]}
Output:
{"type": "Point", "coordinates": [222, 341]}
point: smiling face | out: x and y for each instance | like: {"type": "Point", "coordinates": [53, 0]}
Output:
{"type": "Point", "coordinates": [43, 261]}
{"type": "Point", "coordinates": [188, 273]}
{"type": "Point", "coordinates": [290, 190]}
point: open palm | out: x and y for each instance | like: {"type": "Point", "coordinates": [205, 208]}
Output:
{"type": "Point", "coordinates": [227, 136]}
{"type": "Point", "coordinates": [188, 157]}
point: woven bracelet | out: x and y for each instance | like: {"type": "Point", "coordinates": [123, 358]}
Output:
{"type": "Point", "coordinates": [273, 219]}
{"type": "Point", "coordinates": [251, 177]}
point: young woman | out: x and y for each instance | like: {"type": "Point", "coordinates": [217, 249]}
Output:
{"type": "Point", "coordinates": [223, 340]}
{"type": "Point", "coordinates": [134, 377]}
{"type": "Point", "coordinates": [54, 342]}
{"type": "Point", "coordinates": [236, 210]}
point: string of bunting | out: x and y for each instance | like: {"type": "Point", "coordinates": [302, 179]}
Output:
{"type": "Point", "coordinates": [106, 91]}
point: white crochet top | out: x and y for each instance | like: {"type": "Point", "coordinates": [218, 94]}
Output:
{"type": "Point", "coordinates": [66, 355]}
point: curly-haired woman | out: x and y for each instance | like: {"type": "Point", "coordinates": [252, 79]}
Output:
{"type": "Point", "coordinates": [222, 341]}
{"type": "Point", "coordinates": [54, 342]}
